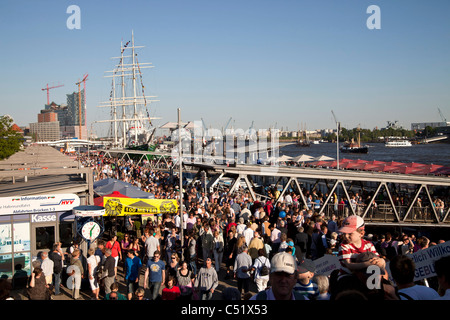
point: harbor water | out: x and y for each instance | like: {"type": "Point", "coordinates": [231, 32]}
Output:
{"type": "Point", "coordinates": [433, 153]}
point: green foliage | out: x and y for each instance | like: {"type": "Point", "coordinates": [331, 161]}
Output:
{"type": "Point", "coordinates": [10, 140]}
{"type": "Point", "coordinates": [120, 236]}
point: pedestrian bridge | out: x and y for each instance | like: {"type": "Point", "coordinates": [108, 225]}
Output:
{"type": "Point", "coordinates": [383, 191]}
{"type": "Point", "coordinates": [419, 192]}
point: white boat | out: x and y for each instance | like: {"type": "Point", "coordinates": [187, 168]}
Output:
{"type": "Point", "coordinates": [398, 143]}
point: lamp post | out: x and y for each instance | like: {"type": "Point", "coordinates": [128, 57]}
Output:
{"type": "Point", "coordinates": [180, 162]}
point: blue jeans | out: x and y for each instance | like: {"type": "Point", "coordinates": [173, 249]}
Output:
{"type": "Point", "coordinates": [154, 289]}
{"type": "Point", "coordinates": [193, 264]}
{"type": "Point", "coordinates": [57, 282]}
{"type": "Point", "coordinates": [206, 295]}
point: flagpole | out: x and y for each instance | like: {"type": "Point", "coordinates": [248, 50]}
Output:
{"type": "Point", "coordinates": [337, 145]}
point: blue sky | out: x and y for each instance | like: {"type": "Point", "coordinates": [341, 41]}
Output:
{"type": "Point", "coordinates": [286, 63]}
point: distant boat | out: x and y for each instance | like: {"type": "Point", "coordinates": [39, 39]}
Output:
{"type": "Point", "coordinates": [302, 143]}
{"type": "Point", "coordinates": [352, 147]}
{"type": "Point", "coordinates": [398, 143]}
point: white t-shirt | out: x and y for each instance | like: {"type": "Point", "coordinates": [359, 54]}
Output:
{"type": "Point", "coordinates": [259, 263]}
{"type": "Point", "coordinates": [93, 261]}
{"type": "Point", "coordinates": [152, 245]}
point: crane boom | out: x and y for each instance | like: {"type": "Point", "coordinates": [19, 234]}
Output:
{"type": "Point", "coordinates": [48, 89]}
{"type": "Point", "coordinates": [442, 116]}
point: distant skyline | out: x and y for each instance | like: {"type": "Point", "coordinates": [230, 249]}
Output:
{"type": "Point", "coordinates": [286, 63]}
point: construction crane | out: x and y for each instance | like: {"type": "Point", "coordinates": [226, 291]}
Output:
{"type": "Point", "coordinates": [79, 102]}
{"type": "Point", "coordinates": [442, 116]}
{"type": "Point", "coordinates": [48, 89]}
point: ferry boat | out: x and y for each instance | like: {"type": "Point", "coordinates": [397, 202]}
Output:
{"type": "Point", "coordinates": [398, 143]}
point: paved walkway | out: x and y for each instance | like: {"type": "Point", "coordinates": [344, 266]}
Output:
{"type": "Point", "coordinates": [85, 292]}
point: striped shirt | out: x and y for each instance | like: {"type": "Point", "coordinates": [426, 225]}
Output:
{"type": "Point", "coordinates": [350, 251]}
{"type": "Point", "coordinates": [310, 290]}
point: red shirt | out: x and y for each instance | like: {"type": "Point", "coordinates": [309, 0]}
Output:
{"type": "Point", "coordinates": [171, 293]}
{"type": "Point", "coordinates": [350, 251]}
{"type": "Point", "coordinates": [115, 248]}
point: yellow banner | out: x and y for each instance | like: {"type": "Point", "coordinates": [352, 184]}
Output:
{"type": "Point", "coordinates": [131, 206]}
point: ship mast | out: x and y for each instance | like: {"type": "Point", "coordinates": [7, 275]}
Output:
{"type": "Point", "coordinates": [135, 115]}
{"type": "Point", "coordinates": [127, 70]}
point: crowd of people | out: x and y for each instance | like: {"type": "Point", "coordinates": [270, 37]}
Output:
{"type": "Point", "coordinates": [262, 244]}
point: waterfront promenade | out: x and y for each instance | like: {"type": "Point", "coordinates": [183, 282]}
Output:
{"type": "Point", "coordinates": [220, 208]}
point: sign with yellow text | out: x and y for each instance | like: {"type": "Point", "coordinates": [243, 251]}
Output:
{"type": "Point", "coordinates": [131, 206]}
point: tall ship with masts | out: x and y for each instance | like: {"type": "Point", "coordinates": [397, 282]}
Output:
{"type": "Point", "coordinates": [131, 124]}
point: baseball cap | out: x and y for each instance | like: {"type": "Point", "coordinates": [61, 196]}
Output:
{"type": "Point", "coordinates": [352, 223]}
{"type": "Point", "coordinates": [283, 262]}
{"type": "Point", "coordinates": [307, 265]}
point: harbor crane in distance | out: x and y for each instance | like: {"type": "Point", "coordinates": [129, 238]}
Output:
{"type": "Point", "coordinates": [226, 127]}
{"type": "Point", "coordinates": [442, 116]}
{"type": "Point", "coordinates": [79, 102]}
{"type": "Point", "coordinates": [48, 89]}
{"type": "Point", "coordinates": [338, 126]}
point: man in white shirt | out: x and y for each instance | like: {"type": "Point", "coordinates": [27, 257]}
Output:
{"type": "Point", "coordinates": [248, 234]}
{"type": "Point", "coordinates": [47, 267]}
{"type": "Point", "coordinates": [283, 277]}
{"type": "Point", "coordinates": [151, 244]}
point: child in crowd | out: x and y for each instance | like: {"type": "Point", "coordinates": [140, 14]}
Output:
{"type": "Point", "coordinates": [304, 284]}
{"type": "Point", "coordinates": [353, 244]}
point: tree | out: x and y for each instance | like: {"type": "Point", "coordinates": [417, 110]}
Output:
{"type": "Point", "coordinates": [10, 139]}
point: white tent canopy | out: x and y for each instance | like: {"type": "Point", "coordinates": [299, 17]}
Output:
{"type": "Point", "coordinates": [323, 158]}
{"type": "Point", "coordinates": [284, 158]}
{"type": "Point", "coordinates": [302, 158]}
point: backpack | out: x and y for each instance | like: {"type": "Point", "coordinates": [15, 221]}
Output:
{"type": "Point", "coordinates": [265, 270]}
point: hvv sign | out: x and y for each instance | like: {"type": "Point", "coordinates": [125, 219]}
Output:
{"type": "Point", "coordinates": [38, 203]}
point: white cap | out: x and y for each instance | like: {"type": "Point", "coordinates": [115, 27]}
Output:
{"type": "Point", "coordinates": [283, 262]}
